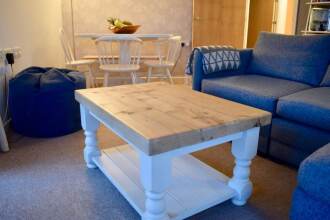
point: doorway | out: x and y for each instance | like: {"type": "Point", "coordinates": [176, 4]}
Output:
{"type": "Point", "coordinates": [262, 17]}
{"type": "Point", "coordinates": [232, 22]}
{"type": "Point", "coordinates": [219, 22]}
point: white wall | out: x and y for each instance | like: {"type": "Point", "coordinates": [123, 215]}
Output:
{"type": "Point", "coordinates": [32, 25]}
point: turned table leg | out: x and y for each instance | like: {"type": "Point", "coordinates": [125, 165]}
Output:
{"type": "Point", "coordinates": [244, 150]}
{"type": "Point", "coordinates": [90, 124]}
{"type": "Point", "coordinates": [155, 178]}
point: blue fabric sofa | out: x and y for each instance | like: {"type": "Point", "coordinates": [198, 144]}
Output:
{"type": "Point", "coordinates": [287, 76]}
{"type": "Point", "coordinates": [311, 198]}
{"type": "Point", "coordinates": [42, 102]}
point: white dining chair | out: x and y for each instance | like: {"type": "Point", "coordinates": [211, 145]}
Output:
{"type": "Point", "coordinates": [128, 61]}
{"type": "Point", "coordinates": [72, 62]}
{"type": "Point", "coordinates": [168, 51]}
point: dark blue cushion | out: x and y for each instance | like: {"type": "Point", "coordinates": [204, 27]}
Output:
{"type": "Point", "coordinates": [285, 153]}
{"type": "Point", "coordinates": [254, 90]}
{"type": "Point", "coordinates": [299, 58]}
{"type": "Point", "coordinates": [306, 206]}
{"type": "Point", "coordinates": [311, 107]}
{"type": "Point", "coordinates": [314, 174]}
{"type": "Point", "coordinates": [42, 102]}
{"type": "Point", "coordinates": [299, 136]}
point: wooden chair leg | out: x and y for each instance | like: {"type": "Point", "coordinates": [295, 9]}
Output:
{"type": "Point", "coordinates": [168, 73]}
{"type": "Point", "coordinates": [149, 74]}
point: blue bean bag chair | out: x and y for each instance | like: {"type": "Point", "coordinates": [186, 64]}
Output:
{"type": "Point", "coordinates": [42, 102]}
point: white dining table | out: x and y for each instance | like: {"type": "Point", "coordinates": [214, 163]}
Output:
{"type": "Point", "coordinates": [143, 37]}
{"type": "Point", "coordinates": [124, 47]}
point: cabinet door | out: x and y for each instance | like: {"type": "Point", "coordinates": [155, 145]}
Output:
{"type": "Point", "coordinates": [219, 22]}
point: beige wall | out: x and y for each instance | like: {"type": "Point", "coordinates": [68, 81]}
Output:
{"type": "Point", "coordinates": [167, 16]}
{"type": "Point", "coordinates": [32, 25]}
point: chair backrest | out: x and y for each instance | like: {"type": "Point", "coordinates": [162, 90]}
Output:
{"type": "Point", "coordinates": [68, 52]}
{"type": "Point", "coordinates": [119, 49]}
{"type": "Point", "coordinates": [172, 49]}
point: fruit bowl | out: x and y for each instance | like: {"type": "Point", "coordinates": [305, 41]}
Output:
{"type": "Point", "coordinates": [128, 29]}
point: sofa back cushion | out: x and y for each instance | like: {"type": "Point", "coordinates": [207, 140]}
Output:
{"type": "Point", "coordinates": [298, 58]}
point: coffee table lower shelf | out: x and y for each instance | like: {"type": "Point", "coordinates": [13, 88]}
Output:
{"type": "Point", "coordinates": [194, 185]}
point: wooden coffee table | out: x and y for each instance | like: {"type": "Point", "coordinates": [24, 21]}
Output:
{"type": "Point", "coordinates": [162, 125]}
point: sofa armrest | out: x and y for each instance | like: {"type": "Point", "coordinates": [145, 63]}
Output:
{"type": "Point", "coordinates": [313, 174]}
{"type": "Point", "coordinates": [198, 73]}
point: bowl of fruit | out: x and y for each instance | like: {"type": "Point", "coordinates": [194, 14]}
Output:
{"type": "Point", "coordinates": [118, 26]}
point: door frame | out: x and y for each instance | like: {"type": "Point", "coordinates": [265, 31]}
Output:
{"type": "Point", "coordinates": [280, 18]}
{"type": "Point", "coordinates": [246, 23]}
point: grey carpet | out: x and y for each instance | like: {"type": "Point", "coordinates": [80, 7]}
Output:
{"type": "Point", "coordinates": [47, 179]}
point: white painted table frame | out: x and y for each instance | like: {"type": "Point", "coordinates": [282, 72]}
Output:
{"type": "Point", "coordinates": [155, 171]}
{"type": "Point", "coordinates": [124, 47]}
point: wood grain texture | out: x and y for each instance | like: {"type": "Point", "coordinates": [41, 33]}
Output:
{"type": "Point", "coordinates": [218, 22]}
{"type": "Point", "coordinates": [260, 19]}
{"type": "Point", "coordinates": [159, 117]}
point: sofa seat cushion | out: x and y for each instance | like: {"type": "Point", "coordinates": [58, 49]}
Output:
{"type": "Point", "coordinates": [310, 107]}
{"type": "Point", "coordinates": [300, 58]}
{"type": "Point", "coordinates": [254, 90]}
{"type": "Point", "coordinates": [314, 174]}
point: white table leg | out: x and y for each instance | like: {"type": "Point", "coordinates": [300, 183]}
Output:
{"type": "Point", "coordinates": [106, 79]}
{"type": "Point", "coordinates": [149, 74]}
{"type": "Point", "coordinates": [125, 55]}
{"type": "Point", "coordinates": [90, 125]}
{"type": "Point", "coordinates": [244, 150]}
{"type": "Point", "coordinates": [155, 178]}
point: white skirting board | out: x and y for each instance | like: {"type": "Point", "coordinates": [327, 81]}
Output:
{"type": "Point", "coordinates": [194, 185]}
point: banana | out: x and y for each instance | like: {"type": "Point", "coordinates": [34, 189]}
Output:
{"type": "Point", "coordinates": [116, 22]}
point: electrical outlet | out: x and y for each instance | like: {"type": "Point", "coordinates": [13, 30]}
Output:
{"type": "Point", "coordinates": [185, 43]}
{"type": "Point", "coordinates": [17, 51]}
